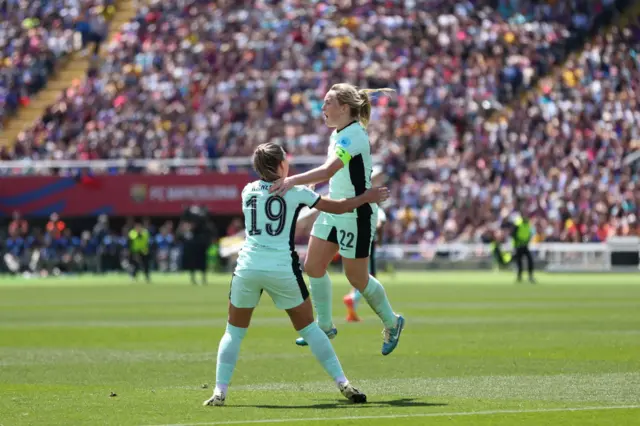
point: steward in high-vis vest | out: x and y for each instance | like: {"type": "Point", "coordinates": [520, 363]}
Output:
{"type": "Point", "coordinates": [521, 235]}
{"type": "Point", "coordinates": [139, 240]}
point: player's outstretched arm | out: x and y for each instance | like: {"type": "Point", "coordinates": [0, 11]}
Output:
{"type": "Point", "coordinates": [313, 176]}
{"type": "Point", "coordinates": [373, 195]}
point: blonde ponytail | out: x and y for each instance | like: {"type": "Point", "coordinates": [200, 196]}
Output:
{"type": "Point", "coordinates": [364, 112]}
{"type": "Point", "coordinates": [359, 101]}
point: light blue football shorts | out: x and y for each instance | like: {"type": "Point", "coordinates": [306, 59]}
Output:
{"type": "Point", "coordinates": [353, 235]}
{"type": "Point", "coordinates": [286, 288]}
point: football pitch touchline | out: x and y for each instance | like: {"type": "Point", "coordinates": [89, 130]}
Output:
{"type": "Point", "coordinates": [397, 416]}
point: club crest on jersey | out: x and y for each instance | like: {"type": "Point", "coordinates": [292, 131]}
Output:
{"type": "Point", "coordinates": [344, 142]}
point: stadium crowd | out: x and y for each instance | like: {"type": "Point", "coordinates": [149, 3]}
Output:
{"type": "Point", "coordinates": [202, 78]}
{"type": "Point", "coordinates": [198, 79]}
{"type": "Point", "coordinates": [35, 36]}
{"type": "Point", "coordinates": [56, 248]}
{"type": "Point", "coordinates": [558, 156]}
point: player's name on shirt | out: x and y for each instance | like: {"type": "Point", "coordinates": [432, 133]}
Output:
{"type": "Point", "coordinates": [261, 186]}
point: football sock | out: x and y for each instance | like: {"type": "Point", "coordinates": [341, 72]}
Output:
{"type": "Point", "coordinates": [321, 298]}
{"type": "Point", "coordinates": [376, 297]}
{"type": "Point", "coordinates": [355, 296]}
{"type": "Point", "coordinates": [228, 351]}
{"type": "Point", "coordinates": [323, 351]}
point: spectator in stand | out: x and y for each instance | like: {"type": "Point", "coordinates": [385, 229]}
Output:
{"type": "Point", "coordinates": [146, 224]}
{"type": "Point", "coordinates": [164, 243]}
{"type": "Point", "coordinates": [66, 246]}
{"type": "Point", "coordinates": [111, 255]}
{"type": "Point", "coordinates": [86, 256]}
{"type": "Point", "coordinates": [55, 226]}
{"type": "Point", "coordinates": [101, 228]}
{"type": "Point", "coordinates": [100, 234]}
{"type": "Point", "coordinates": [18, 225]}
{"type": "Point", "coordinates": [14, 248]}
{"type": "Point", "coordinates": [83, 28]}
{"type": "Point", "coordinates": [35, 243]}
{"type": "Point", "coordinates": [34, 37]}
{"type": "Point", "coordinates": [98, 31]}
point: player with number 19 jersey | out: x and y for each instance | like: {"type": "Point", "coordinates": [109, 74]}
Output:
{"type": "Point", "coordinates": [270, 225]}
{"type": "Point", "coordinates": [268, 259]}
{"type": "Point", "coordinates": [353, 231]}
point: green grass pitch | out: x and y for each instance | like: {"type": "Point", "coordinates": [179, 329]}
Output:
{"type": "Point", "coordinates": [477, 350]}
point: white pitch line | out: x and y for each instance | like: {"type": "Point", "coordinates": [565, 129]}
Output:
{"type": "Point", "coordinates": [397, 416]}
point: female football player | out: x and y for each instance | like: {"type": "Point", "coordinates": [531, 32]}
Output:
{"type": "Point", "coordinates": [268, 261]}
{"type": "Point", "coordinates": [348, 170]}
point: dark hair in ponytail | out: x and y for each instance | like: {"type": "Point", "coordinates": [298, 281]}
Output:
{"type": "Point", "coordinates": [266, 160]}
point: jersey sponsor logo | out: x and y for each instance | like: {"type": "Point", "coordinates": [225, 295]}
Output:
{"type": "Point", "coordinates": [344, 142]}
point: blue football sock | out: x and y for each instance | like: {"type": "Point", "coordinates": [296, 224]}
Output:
{"type": "Point", "coordinates": [321, 298]}
{"type": "Point", "coordinates": [376, 297]}
{"type": "Point", "coordinates": [228, 351]}
{"type": "Point", "coordinates": [323, 351]}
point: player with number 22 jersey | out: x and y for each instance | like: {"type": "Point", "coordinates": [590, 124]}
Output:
{"type": "Point", "coordinates": [353, 231]}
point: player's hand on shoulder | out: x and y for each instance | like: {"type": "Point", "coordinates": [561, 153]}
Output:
{"type": "Point", "coordinates": [281, 186]}
{"type": "Point", "coordinates": [377, 194]}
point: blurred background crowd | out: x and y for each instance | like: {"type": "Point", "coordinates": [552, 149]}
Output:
{"type": "Point", "coordinates": [36, 35]}
{"type": "Point", "coordinates": [502, 106]}
{"type": "Point", "coordinates": [55, 248]}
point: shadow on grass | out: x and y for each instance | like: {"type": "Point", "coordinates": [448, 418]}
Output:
{"type": "Point", "coordinates": [402, 402]}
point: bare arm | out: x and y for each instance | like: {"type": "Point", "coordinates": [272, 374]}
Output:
{"type": "Point", "coordinates": [319, 174]}
{"type": "Point", "coordinates": [313, 176]}
{"type": "Point", "coordinates": [373, 195]}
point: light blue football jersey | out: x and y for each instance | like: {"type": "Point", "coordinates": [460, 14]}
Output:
{"type": "Point", "coordinates": [270, 226]}
{"type": "Point", "coordinates": [351, 145]}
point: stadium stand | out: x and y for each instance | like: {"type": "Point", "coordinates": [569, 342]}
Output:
{"type": "Point", "coordinates": [193, 79]}
{"type": "Point", "coordinates": [35, 37]}
{"type": "Point", "coordinates": [472, 136]}
{"type": "Point", "coordinates": [559, 152]}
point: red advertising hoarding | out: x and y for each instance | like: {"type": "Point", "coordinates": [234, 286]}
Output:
{"type": "Point", "coordinates": [121, 195]}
